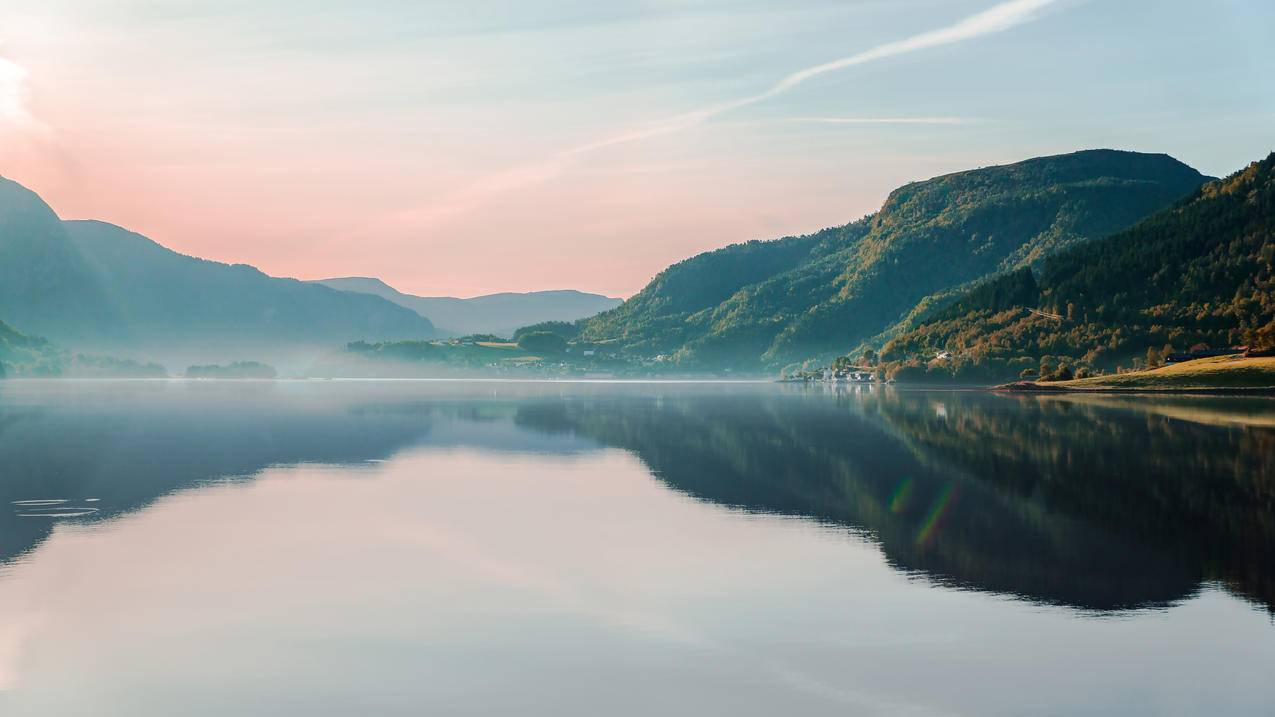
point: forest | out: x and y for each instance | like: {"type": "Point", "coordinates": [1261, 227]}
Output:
{"type": "Point", "coordinates": [1200, 274]}
{"type": "Point", "coordinates": [761, 305]}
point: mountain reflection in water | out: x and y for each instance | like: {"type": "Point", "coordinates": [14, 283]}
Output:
{"type": "Point", "coordinates": [1096, 504]}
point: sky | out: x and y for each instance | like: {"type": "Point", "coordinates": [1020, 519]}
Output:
{"type": "Point", "coordinates": [466, 148]}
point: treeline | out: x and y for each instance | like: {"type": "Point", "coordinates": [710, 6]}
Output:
{"type": "Point", "coordinates": [238, 369]}
{"type": "Point", "coordinates": [22, 355]}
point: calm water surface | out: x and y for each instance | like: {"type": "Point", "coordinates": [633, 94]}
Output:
{"type": "Point", "coordinates": [337, 548]}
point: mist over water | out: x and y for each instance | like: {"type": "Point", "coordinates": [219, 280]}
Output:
{"type": "Point", "coordinates": [401, 547]}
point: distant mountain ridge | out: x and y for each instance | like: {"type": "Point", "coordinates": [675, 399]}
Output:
{"type": "Point", "coordinates": [497, 314]}
{"type": "Point", "coordinates": [93, 285]}
{"type": "Point", "coordinates": [762, 304]}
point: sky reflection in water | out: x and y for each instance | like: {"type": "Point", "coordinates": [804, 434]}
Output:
{"type": "Point", "coordinates": [398, 548]}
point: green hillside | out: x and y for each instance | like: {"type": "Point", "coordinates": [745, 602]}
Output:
{"type": "Point", "coordinates": [1201, 272]}
{"type": "Point", "coordinates": [678, 310]}
{"type": "Point", "coordinates": [766, 303]}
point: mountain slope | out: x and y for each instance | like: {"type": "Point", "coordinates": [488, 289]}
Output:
{"type": "Point", "coordinates": [491, 314]}
{"type": "Point", "coordinates": [1202, 271]}
{"type": "Point", "coordinates": [166, 293]}
{"type": "Point", "coordinates": [88, 284]}
{"type": "Point", "coordinates": [828, 292]}
{"type": "Point", "coordinates": [45, 286]}
{"type": "Point", "coordinates": [677, 309]}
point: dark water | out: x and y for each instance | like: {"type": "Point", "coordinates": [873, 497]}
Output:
{"type": "Point", "coordinates": [338, 548]}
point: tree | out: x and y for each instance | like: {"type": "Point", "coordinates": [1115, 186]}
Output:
{"type": "Point", "coordinates": [1046, 365]}
{"type": "Point", "coordinates": [543, 343]}
{"type": "Point", "coordinates": [566, 329]}
{"type": "Point", "coordinates": [909, 373]}
{"type": "Point", "coordinates": [1263, 338]}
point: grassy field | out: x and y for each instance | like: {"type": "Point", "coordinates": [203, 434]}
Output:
{"type": "Point", "coordinates": [1222, 372]}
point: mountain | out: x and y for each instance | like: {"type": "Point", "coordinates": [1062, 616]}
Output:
{"type": "Point", "coordinates": [762, 304]}
{"type": "Point", "coordinates": [1200, 272]}
{"type": "Point", "coordinates": [499, 314]}
{"type": "Point", "coordinates": [92, 285]}
{"type": "Point", "coordinates": [46, 287]}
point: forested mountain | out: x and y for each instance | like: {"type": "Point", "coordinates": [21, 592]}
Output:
{"type": "Point", "coordinates": [86, 284]}
{"type": "Point", "coordinates": [1202, 271]}
{"type": "Point", "coordinates": [499, 314]}
{"type": "Point", "coordinates": [766, 303]}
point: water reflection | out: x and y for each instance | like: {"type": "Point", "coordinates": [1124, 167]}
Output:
{"type": "Point", "coordinates": [1097, 504]}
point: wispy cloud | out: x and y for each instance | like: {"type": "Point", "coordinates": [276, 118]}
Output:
{"type": "Point", "coordinates": [997, 18]}
{"type": "Point", "coordinates": [885, 120]}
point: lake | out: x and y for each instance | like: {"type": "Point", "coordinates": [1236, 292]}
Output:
{"type": "Point", "coordinates": [491, 548]}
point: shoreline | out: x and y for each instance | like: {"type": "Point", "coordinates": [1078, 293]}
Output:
{"type": "Point", "coordinates": [1027, 387]}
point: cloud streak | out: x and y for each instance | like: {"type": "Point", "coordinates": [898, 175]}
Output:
{"type": "Point", "coordinates": [998, 18]}
{"type": "Point", "coordinates": [885, 120]}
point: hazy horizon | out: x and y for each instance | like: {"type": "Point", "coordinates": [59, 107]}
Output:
{"type": "Point", "coordinates": [501, 147]}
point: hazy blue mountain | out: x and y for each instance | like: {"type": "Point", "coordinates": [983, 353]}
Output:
{"type": "Point", "coordinates": [497, 314]}
{"type": "Point", "coordinates": [762, 304]}
{"type": "Point", "coordinates": [92, 285]}
{"type": "Point", "coordinates": [46, 287]}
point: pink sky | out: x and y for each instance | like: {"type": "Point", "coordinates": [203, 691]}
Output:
{"type": "Point", "coordinates": [336, 198]}
{"type": "Point", "coordinates": [576, 146]}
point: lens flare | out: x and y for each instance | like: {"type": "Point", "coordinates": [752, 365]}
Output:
{"type": "Point", "coordinates": [934, 520]}
{"type": "Point", "coordinates": [899, 500]}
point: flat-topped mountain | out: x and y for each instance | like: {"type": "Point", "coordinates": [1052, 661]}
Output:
{"type": "Point", "coordinates": [762, 304]}
{"type": "Point", "coordinates": [497, 314]}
